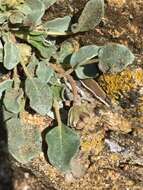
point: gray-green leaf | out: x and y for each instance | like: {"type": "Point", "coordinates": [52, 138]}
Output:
{"type": "Point", "coordinates": [44, 72]}
{"type": "Point", "coordinates": [65, 51]}
{"type": "Point", "coordinates": [39, 94]}
{"type": "Point", "coordinates": [5, 85]}
{"type": "Point", "coordinates": [45, 51]}
{"type": "Point", "coordinates": [11, 55]}
{"type": "Point", "coordinates": [80, 61]}
{"type": "Point", "coordinates": [90, 17]}
{"type": "Point", "coordinates": [24, 141]}
{"type": "Point", "coordinates": [114, 58]}
{"type": "Point", "coordinates": [12, 100]}
{"type": "Point", "coordinates": [48, 3]}
{"type": "Point", "coordinates": [84, 54]}
{"type": "Point", "coordinates": [58, 25]}
{"type": "Point", "coordinates": [33, 10]}
{"type": "Point", "coordinates": [63, 144]}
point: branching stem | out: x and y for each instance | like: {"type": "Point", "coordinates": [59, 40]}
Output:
{"type": "Point", "coordinates": [66, 74]}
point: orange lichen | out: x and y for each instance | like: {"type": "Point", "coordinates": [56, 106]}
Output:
{"type": "Point", "coordinates": [117, 3]}
{"type": "Point", "coordinates": [114, 84]}
{"type": "Point", "coordinates": [35, 119]}
{"type": "Point", "coordinates": [93, 142]}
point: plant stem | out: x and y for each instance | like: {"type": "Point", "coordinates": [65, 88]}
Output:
{"type": "Point", "coordinates": [16, 78]}
{"type": "Point", "coordinates": [57, 112]}
{"type": "Point", "coordinates": [74, 89]}
{"type": "Point", "coordinates": [67, 75]}
{"type": "Point", "coordinates": [50, 33]}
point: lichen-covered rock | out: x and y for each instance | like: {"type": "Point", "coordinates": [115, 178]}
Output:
{"type": "Point", "coordinates": [116, 122]}
{"type": "Point", "coordinates": [115, 84]}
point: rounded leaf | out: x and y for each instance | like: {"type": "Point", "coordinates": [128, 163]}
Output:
{"type": "Point", "coordinates": [80, 60]}
{"type": "Point", "coordinates": [11, 55]}
{"type": "Point", "coordinates": [40, 95]}
{"type": "Point", "coordinates": [24, 141]}
{"type": "Point", "coordinates": [58, 25]}
{"type": "Point", "coordinates": [84, 54]}
{"type": "Point", "coordinates": [44, 72]}
{"type": "Point", "coordinates": [12, 100]}
{"type": "Point", "coordinates": [90, 17]}
{"type": "Point", "coordinates": [63, 144]}
{"type": "Point", "coordinates": [114, 58]}
{"type": "Point", "coordinates": [5, 85]}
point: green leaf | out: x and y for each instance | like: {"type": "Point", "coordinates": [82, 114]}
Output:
{"type": "Point", "coordinates": [63, 144]}
{"type": "Point", "coordinates": [57, 91]}
{"type": "Point", "coordinates": [40, 95]}
{"type": "Point", "coordinates": [11, 55]}
{"type": "Point", "coordinates": [5, 85]}
{"type": "Point", "coordinates": [54, 80]}
{"type": "Point", "coordinates": [24, 141]}
{"type": "Point", "coordinates": [25, 9]}
{"type": "Point", "coordinates": [34, 36]}
{"type": "Point", "coordinates": [48, 3]}
{"type": "Point", "coordinates": [114, 58]}
{"type": "Point", "coordinates": [84, 54]}
{"type": "Point", "coordinates": [65, 51]}
{"type": "Point", "coordinates": [44, 72]}
{"type": "Point", "coordinates": [80, 61]}
{"type": "Point", "coordinates": [12, 100]}
{"type": "Point", "coordinates": [45, 50]}
{"type": "Point", "coordinates": [90, 17]}
{"type": "Point", "coordinates": [33, 10]}
{"type": "Point", "coordinates": [1, 52]}
{"type": "Point", "coordinates": [58, 25]}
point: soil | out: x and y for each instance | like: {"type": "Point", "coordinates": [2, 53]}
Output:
{"type": "Point", "coordinates": [111, 140]}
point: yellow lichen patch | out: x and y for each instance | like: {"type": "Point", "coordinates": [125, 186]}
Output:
{"type": "Point", "coordinates": [93, 142]}
{"type": "Point", "coordinates": [117, 3]}
{"type": "Point", "coordinates": [114, 84]}
{"type": "Point", "coordinates": [114, 157]}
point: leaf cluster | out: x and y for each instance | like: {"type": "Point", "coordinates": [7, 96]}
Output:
{"type": "Point", "coordinates": [36, 65]}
